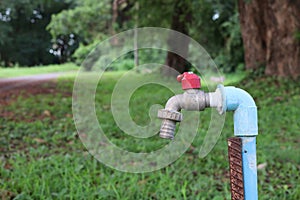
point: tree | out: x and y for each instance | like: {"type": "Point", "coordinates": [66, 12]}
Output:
{"type": "Point", "coordinates": [23, 37]}
{"type": "Point", "coordinates": [85, 21]}
{"type": "Point", "coordinates": [217, 23]}
{"type": "Point", "coordinates": [89, 20]}
{"type": "Point", "coordinates": [181, 18]}
{"type": "Point", "coordinates": [213, 23]}
{"type": "Point", "coordinates": [173, 14]}
{"type": "Point", "coordinates": [269, 30]}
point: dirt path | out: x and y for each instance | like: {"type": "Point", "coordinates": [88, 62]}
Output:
{"type": "Point", "coordinates": [23, 81]}
{"type": "Point", "coordinates": [12, 88]}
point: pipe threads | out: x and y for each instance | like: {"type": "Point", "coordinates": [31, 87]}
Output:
{"type": "Point", "coordinates": [167, 129]}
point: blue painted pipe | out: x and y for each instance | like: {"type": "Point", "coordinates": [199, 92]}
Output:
{"type": "Point", "coordinates": [249, 167]}
{"type": "Point", "coordinates": [245, 127]}
{"type": "Point", "coordinates": [245, 111]}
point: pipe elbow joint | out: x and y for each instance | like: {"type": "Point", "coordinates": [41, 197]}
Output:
{"type": "Point", "coordinates": [245, 110]}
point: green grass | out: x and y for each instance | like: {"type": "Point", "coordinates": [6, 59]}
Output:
{"type": "Point", "coordinates": [45, 159]}
{"type": "Point", "coordinates": [26, 71]}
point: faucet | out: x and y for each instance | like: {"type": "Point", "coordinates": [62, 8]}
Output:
{"type": "Point", "coordinates": [192, 99]}
{"type": "Point", "coordinates": [241, 148]}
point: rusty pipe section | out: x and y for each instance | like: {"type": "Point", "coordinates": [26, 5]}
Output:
{"type": "Point", "coordinates": [192, 100]}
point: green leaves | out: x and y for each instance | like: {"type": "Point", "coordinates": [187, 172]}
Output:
{"type": "Point", "coordinates": [23, 37]}
{"type": "Point", "coordinates": [5, 32]}
{"type": "Point", "coordinates": [88, 20]}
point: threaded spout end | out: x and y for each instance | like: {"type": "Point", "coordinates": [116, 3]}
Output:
{"type": "Point", "coordinates": [167, 129]}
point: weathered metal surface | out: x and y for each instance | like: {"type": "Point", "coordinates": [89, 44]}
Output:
{"type": "Point", "coordinates": [169, 114]}
{"type": "Point", "coordinates": [167, 129]}
{"type": "Point", "coordinates": [191, 99]}
{"type": "Point", "coordinates": [236, 168]}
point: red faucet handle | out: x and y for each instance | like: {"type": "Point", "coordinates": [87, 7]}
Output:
{"type": "Point", "coordinates": [179, 77]}
{"type": "Point", "coordinates": [189, 80]}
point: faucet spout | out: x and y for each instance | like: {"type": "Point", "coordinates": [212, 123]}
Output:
{"type": "Point", "coordinates": [167, 129]}
{"type": "Point", "coordinates": [191, 99]}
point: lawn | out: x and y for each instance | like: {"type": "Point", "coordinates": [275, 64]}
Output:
{"type": "Point", "coordinates": [43, 158]}
{"type": "Point", "coordinates": [27, 71]}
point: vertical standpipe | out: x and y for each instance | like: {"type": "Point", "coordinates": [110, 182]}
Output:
{"type": "Point", "coordinates": [245, 130]}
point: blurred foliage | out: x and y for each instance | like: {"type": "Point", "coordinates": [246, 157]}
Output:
{"type": "Point", "coordinates": [83, 51]}
{"type": "Point", "coordinates": [76, 27]}
{"type": "Point", "coordinates": [231, 56]}
{"type": "Point", "coordinates": [155, 13]}
{"type": "Point", "coordinates": [91, 25]}
{"type": "Point", "coordinates": [214, 24]}
{"type": "Point", "coordinates": [216, 27]}
{"type": "Point", "coordinates": [146, 56]}
{"type": "Point", "coordinates": [87, 19]}
{"type": "Point", "coordinates": [23, 37]}
{"type": "Point", "coordinates": [297, 35]}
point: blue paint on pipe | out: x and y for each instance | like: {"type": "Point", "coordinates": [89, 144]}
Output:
{"type": "Point", "coordinates": [245, 127]}
{"type": "Point", "coordinates": [249, 167]}
{"type": "Point", "coordinates": [245, 111]}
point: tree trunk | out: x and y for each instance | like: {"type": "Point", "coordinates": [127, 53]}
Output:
{"type": "Point", "coordinates": [268, 30]}
{"type": "Point", "coordinates": [136, 51]}
{"type": "Point", "coordinates": [180, 19]}
{"type": "Point", "coordinates": [115, 6]}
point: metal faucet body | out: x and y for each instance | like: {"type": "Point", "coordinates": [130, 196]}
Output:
{"type": "Point", "coordinates": [191, 99]}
